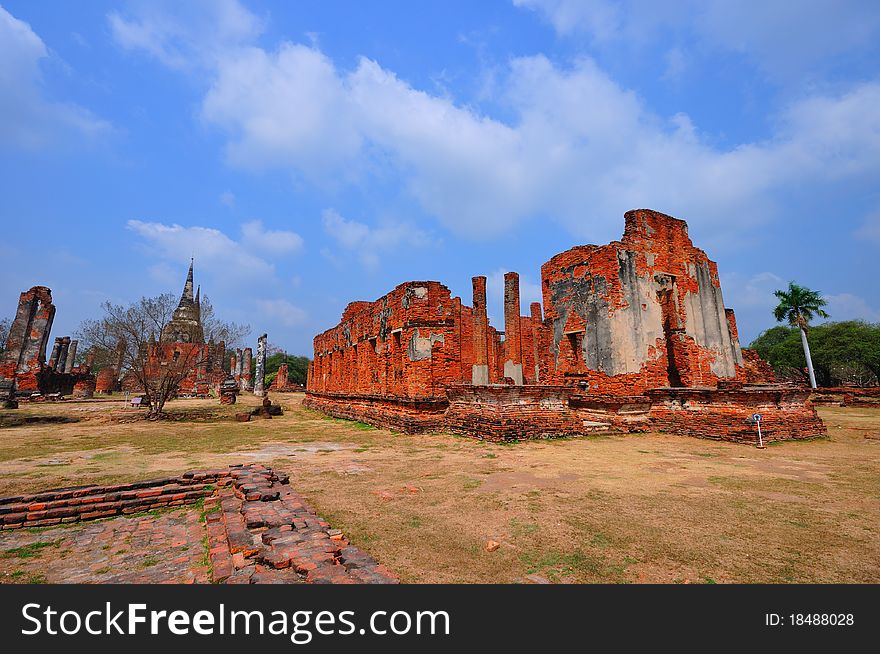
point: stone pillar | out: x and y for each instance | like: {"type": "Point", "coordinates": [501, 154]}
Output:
{"type": "Point", "coordinates": [237, 372]}
{"type": "Point", "coordinates": [512, 340]}
{"type": "Point", "coordinates": [62, 355]}
{"type": "Point", "coordinates": [247, 359]}
{"type": "Point", "coordinates": [261, 366]}
{"type": "Point", "coordinates": [71, 356]}
{"type": "Point", "coordinates": [56, 352]}
{"type": "Point", "coordinates": [537, 321]}
{"type": "Point", "coordinates": [480, 370]}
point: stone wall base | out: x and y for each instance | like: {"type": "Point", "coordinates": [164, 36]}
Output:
{"type": "Point", "coordinates": [503, 412]}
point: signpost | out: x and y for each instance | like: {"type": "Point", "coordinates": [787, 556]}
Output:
{"type": "Point", "coordinates": [757, 417]}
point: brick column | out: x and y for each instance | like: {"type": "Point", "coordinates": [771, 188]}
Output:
{"type": "Point", "coordinates": [247, 358]}
{"type": "Point", "coordinates": [537, 322]}
{"type": "Point", "coordinates": [512, 341]}
{"type": "Point", "coordinates": [62, 355]}
{"type": "Point", "coordinates": [480, 369]}
{"type": "Point", "coordinates": [56, 352]}
{"type": "Point", "coordinates": [71, 355]}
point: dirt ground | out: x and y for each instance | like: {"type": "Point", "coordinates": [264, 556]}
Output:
{"type": "Point", "coordinates": [610, 508]}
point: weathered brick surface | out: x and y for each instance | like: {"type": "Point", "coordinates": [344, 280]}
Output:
{"type": "Point", "coordinates": [755, 369]}
{"type": "Point", "coordinates": [273, 536]}
{"type": "Point", "coordinates": [282, 383]}
{"type": "Point", "coordinates": [23, 368]}
{"type": "Point", "coordinates": [719, 414]}
{"type": "Point", "coordinates": [618, 320]}
{"type": "Point", "coordinates": [258, 530]}
{"type": "Point", "coordinates": [91, 502]}
{"type": "Point", "coordinates": [847, 396]}
{"type": "Point", "coordinates": [402, 414]}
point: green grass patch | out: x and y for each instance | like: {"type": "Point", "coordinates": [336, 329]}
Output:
{"type": "Point", "coordinates": [31, 550]}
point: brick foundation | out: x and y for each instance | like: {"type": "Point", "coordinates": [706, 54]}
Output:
{"type": "Point", "coordinates": [723, 414]}
{"type": "Point", "coordinates": [89, 502]}
{"type": "Point", "coordinates": [402, 414]}
{"type": "Point", "coordinates": [847, 396]}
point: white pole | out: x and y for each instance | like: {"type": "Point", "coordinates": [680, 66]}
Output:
{"type": "Point", "coordinates": [809, 358]}
{"type": "Point", "coordinates": [760, 438]}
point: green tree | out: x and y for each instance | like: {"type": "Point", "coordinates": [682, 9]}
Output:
{"type": "Point", "coordinates": [766, 343]}
{"type": "Point", "coordinates": [843, 352]}
{"type": "Point", "coordinates": [297, 367]}
{"type": "Point", "coordinates": [846, 351]}
{"type": "Point", "coordinates": [798, 305]}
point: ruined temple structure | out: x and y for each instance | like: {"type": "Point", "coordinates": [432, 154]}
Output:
{"type": "Point", "coordinates": [183, 338]}
{"type": "Point", "coordinates": [632, 336]}
{"type": "Point", "coordinates": [24, 372]}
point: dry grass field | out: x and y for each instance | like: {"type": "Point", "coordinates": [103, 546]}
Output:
{"type": "Point", "coordinates": [618, 508]}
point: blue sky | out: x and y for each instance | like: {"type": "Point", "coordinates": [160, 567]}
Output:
{"type": "Point", "coordinates": [308, 154]}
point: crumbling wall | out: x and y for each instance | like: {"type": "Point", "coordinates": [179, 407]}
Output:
{"type": "Point", "coordinates": [755, 369]}
{"type": "Point", "coordinates": [643, 312]}
{"type": "Point", "coordinates": [25, 354]}
{"type": "Point", "coordinates": [405, 344]}
{"type": "Point", "coordinates": [724, 414]}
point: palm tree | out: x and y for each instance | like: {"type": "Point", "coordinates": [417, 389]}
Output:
{"type": "Point", "coordinates": [798, 305]}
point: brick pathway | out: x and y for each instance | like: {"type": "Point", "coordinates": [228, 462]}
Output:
{"type": "Point", "coordinates": [163, 548]}
{"type": "Point", "coordinates": [254, 529]}
{"type": "Point", "coordinates": [260, 531]}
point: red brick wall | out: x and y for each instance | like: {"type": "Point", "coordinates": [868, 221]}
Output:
{"type": "Point", "coordinates": [723, 414]}
{"type": "Point", "coordinates": [755, 369]}
{"type": "Point", "coordinates": [627, 309]}
{"type": "Point", "coordinates": [398, 413]}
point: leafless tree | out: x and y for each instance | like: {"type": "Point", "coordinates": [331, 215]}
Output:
{"type": "Point", "coordinates": [125, 335]}
{"type": "Point", "coordinates": [232, 334]}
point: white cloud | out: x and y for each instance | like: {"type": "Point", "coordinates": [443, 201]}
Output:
{"type": "Point", "coordinates": [369, 243]}
{"type": "Point", "coordinates": [780, 37]}
{"type": "Point", "coordinates": [579, 149]}
{"type": "Point", "coordinates": [582, 149]}
{"type": "Point", "coordinates": [277, 242]}
{"type": "Point", "coordinates": [287, 108]}
{"type": "Point", "coordinates": [846, 306]}
{"type": "Point", "coordinates": [184, 35]}
{"type": "Point", "coordinates": [753, 292]}
{"type": "Point", "coordinates": [283, 311]}
{"type": "Point", "coordinates": [601, 19]}
{"type": "Point", "coordinates": [213, 250]}
{"type": "Point", "coordinates": [27, 117]}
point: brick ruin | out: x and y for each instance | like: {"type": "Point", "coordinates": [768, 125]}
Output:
{"type": "Point", "coordinates": [282, 383]}
{"type": "Point", "coordinates": [632, 336]}
{"type": "Point", "coordinates": [184, 338]}
{"type": "Point", "coordinates": [24, 372]}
